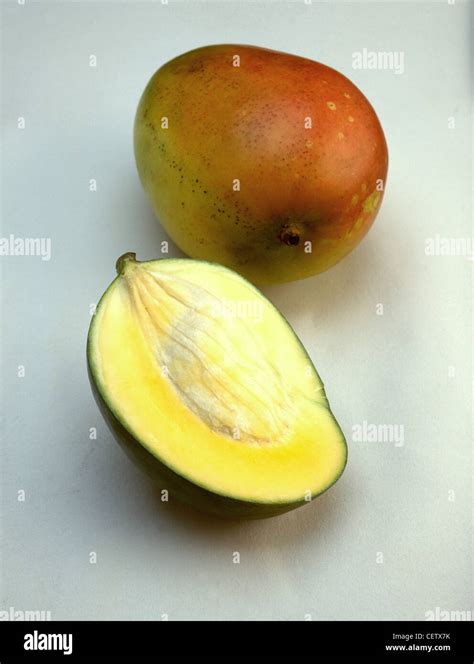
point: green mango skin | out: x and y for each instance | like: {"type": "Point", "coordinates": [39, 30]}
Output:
{"type": "Point", "coordinates": [178, 487]}
{"type": "Point", "coordinates": [275, 168]}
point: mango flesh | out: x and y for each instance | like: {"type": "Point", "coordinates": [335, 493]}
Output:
{"type": "Point", "coordinates": [207, 387]}
{"type": "Point", "coordinates": [271, 164]}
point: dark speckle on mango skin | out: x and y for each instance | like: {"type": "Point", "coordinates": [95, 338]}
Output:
{"type": "Point", "coordinates": [250, 123]}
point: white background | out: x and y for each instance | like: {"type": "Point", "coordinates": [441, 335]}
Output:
{"type": "Point", "coordinates": [410, 366]}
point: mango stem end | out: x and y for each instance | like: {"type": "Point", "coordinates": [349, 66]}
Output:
{"type": "Point", "coordinates": [124, 261]}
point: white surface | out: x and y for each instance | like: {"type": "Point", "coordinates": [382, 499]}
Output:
{"type": "Point", "coordinates": [84, 495]}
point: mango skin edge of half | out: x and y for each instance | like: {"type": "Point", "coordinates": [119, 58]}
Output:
{"type": "Point", "coordinates": [180, 488]}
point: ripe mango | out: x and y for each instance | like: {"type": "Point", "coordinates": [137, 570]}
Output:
{"type": "Point", "coordinates": [209, 390]}
{"type": "Point", "coordinates": [268, 163]}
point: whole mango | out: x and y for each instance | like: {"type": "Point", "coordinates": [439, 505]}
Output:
{"type": "Point", "coordinates": [271, 164]}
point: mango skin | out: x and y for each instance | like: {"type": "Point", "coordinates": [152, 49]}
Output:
{"type": "Point", "coordinates": [275, 168]}
{"type": "Point", "coordinates": [178, 487]}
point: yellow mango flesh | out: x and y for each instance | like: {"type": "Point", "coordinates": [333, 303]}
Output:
{"type": "Point", "coordinates": [205, 373]}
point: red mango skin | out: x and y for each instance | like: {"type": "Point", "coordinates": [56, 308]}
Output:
{"type": "Point", "coordinates": [271, 164]}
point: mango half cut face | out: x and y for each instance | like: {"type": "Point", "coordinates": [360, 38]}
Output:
{"type": "Point", "coordinates": [209, 390]}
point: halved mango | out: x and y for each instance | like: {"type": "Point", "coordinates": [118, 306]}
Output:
{"type": "Point", "coordinates": [209, 389]}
